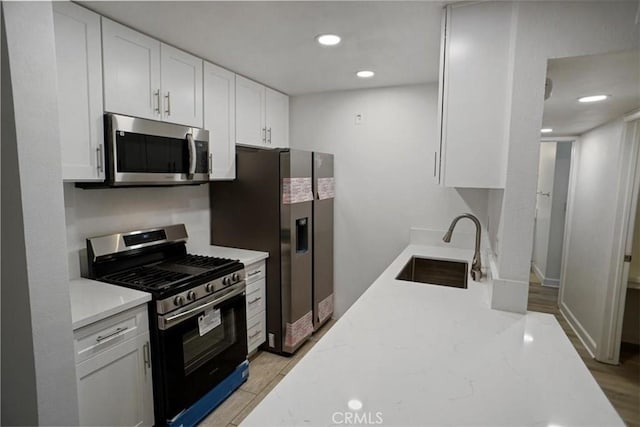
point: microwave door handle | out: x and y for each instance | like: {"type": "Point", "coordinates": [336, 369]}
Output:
{"type": "Point", "coordinates": [192, 155]}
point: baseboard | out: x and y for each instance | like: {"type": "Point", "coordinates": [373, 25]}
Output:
{"type": "Point", "coordinates": [545, 281]}
{"type": "Point", "coordinates": [577, 328]}
{"type": "Point", "coordinates": [537, 272]}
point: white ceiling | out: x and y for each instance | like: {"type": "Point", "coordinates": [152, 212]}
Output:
{"type": "Point", "coordinates": [274, 42]}
{"type": "Point", "coordinates": [616, 74]}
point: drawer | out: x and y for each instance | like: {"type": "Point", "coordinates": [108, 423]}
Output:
{"type": "Point", "coordinates": [255, 271]}
{"type": "Point", "coordinates": [256, 331]}
{"type": "Point", "coordinates": [105, 334]}
{"type": "Point", "coordinates": [255, 298]}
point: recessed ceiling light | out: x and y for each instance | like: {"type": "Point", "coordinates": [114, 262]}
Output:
{"type": "Point", "coordinates": [546, 130]}
{"type": "Point", "coordinates": [328, 39]}
{"type": "Point", "coordinates": [593, 98]}
{"type": "Point", "coordinates": [365, 74]}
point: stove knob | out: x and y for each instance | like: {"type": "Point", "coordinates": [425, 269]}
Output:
{"type": "Point", "coordinates": [236, 277]}
{"type": "Point", "coordinates": [209, 287]}
{"type": "Point", "coordinates": [178, 300]}
{"type": "Point", "coordinates": [226, 281]}
{"type": "Point", "coordinates": [191, 295]}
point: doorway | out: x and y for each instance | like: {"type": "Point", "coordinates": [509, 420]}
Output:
{"type": "Point", "coordinates": [551, 206]}
{"type": "Point", "coordinates": [602, 194]}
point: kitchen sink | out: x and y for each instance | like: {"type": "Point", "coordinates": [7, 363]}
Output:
{"type": "Point", "coordinates": [435, 272]}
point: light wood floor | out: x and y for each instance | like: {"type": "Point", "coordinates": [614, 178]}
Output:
{"type": "Point", "coordinates": [621, 384]}
{"type": "Point", "coordinates": [265, 372]}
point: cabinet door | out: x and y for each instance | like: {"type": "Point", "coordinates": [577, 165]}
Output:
{"type": "Point", "coordinates": [476, 94]}
{"type": "Point", "coordinates": [115, 387]}
{"type": "Point", "coordinates": [277, 109]}
{"type": "Point", "coordinates": [250, 115]}
{"type": "Point", "coordinates": [78, 54]}
{"type": "Point", "coordinates": [220, 120]}
{"type": "Point", "coordinates": [181, 82]}
{"type": "Point", "coordinates": [131, 72]}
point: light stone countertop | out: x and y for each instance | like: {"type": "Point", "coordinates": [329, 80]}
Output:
{"type": "Point", "coordinates": [247, 257]}
{"type": "Point", "coordinates": [92, 301]}
{"type": "Point", "coordinates": [423, 355]}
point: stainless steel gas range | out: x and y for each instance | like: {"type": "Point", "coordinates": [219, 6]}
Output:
{"type": "Point", "coordinates": [197, 315]}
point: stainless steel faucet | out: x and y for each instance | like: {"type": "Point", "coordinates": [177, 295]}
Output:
{"type": "Point", "coordinates": [476, 265]}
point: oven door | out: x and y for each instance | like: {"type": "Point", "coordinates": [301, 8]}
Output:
{"type": "Point", "coordinates": [200, 347]}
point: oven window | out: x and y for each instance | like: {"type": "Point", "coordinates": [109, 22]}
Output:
{"type": "Point", "coordinates": [151, 154]}
{"type": "Point", "coordinates": [199, 350]}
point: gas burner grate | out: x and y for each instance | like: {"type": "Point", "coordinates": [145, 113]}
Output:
{"type": "Point", "coordinates": [149, 277]}
{"type": "Point", "coordinates": [204, 261]}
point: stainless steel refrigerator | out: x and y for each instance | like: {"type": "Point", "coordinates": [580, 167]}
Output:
{"type": "Point", "coordinates": [272, 206]}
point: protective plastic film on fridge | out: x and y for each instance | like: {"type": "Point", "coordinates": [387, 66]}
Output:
{"type": "Point", "coordinates": [270, 207]}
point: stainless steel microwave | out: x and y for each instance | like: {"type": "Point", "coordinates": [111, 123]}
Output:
{"type": "Point", "coordinates": [147, 152]}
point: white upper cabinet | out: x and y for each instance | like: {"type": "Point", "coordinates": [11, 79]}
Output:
{"type": "Point", "coordinates": [78, 54]}
{"type": "Point", "coordinates": [475, 92]}
{"type": "Point", "coordinates": [262, 115]}
{"type": "Point", "coordinates": [250, 114]}
{"type": "Point", "coordinates": [148, 79]}
{"type": "Point", "coordinates": [277, 112]}
{"type": "Point", "coordinates": [131, 72]}
{"type": "Point", "coordinates": [220, 120]}
{"type": "Point", "coordinates": [181, 82]}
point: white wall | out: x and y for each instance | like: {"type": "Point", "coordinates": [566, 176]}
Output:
{"type": "Point", "coordinates": [590, 229]}
{"type": "Point", "coordinates": [43, 311]}
{"type": "Point", "coordinates": [383, 170]}
{"type": "Point", "coordinates": [91, 213]}
{"type": "Point", "coordinates": [545, 30]}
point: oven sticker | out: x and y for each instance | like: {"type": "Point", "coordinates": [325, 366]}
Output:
{"type": "Point", "coordinates": [296, 190]}
{"type": "Point", "coordinates": [209, 321]}
{"type": "Point", "coordinates": [326, 188]}
{"type": "Point", "coordinates": [298, 330]}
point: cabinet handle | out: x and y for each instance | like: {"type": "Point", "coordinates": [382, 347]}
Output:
{"type": "Point", "coordinates": [168, 110]}
{"type": "Point", "coordinates": [254, 273]}
{"type": "Point", "coordinates": [254, 300]}
{"type": "Point", "coordinates": [157, 95]}
{"type": "Point", "coordinates": [146, 357]}
{"type": "Point", "coordinates": [264, 135]}
{"type": "Point", "coordinates": [435, 162]}
{"type": "Point", "coordinates": [113, 334]}
{"type": "Point", "coordinates": [210, 163]}
{"type": "Point", "coordinates": [252, 336]}
{"type": "Point", "coordinates": [100, 159]}
{"type": "Point", "coordinates": [269, 139]}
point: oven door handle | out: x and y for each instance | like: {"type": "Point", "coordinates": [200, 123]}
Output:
{"type": "Point", "coordinates": [192, 155]}
{"type": "Point", "coordinates": [233, 291]}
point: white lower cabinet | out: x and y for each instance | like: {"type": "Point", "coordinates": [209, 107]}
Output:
{"type": "Point", "coordinates": [113, 369]}
{"type": "Point", "coordinates": [256, 305]}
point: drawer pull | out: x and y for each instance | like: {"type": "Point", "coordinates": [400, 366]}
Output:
{"type": "Point", "coordinates": [254, 273]}
{"type": "Point", "coordinates": [252, 336]}
{"type": "Point", "coordinates": [113, 334]}
{"type": "Point", "coordinates": [253, 301]}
